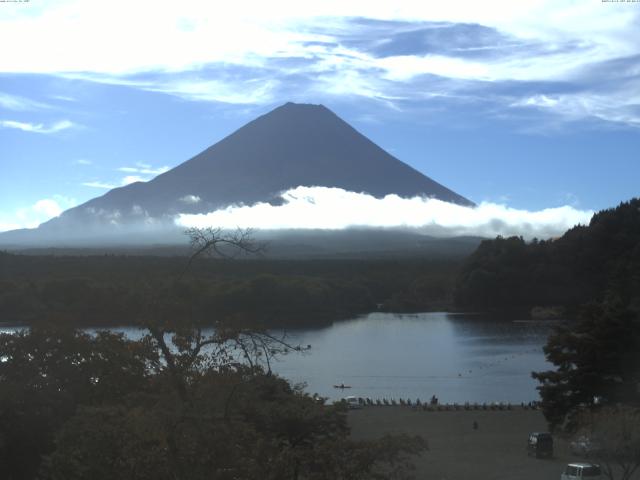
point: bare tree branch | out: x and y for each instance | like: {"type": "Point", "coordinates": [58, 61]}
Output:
{"type": "Point", "coordinates": [217, 242]}
{"type": "Point", "coordinates": [190, 349]}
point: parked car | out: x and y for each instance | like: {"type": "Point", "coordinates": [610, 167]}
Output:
{"type": "Point", "coordinates": [577, 471]}
{"type": "Point", "coordinates": [540, 444]}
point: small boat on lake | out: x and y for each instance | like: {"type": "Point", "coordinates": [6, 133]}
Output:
{"type": "Point", "coordinates": [342, 385]}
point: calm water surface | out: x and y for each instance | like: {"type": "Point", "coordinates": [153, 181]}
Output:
{"type": "Point", "coordinates": [458, 358]}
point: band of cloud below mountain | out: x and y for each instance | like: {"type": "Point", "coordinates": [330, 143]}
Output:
{"type": "Point", "coordinates": [298, 166]}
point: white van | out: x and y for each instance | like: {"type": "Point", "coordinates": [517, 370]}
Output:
{"type": "Point", "coordinates": [577, 471]}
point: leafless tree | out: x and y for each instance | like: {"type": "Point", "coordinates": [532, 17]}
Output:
{"type": "Point", "coordinates": [612, 436]}
{"type": "Point", "coordinates": [184, 343]}
{"type": "Point", "coordinates": [217, 242]}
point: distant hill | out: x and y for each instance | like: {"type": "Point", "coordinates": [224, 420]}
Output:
{"type": "Point", "coordinates": [586, 264]}
{"type": "Point", "coordinates": [299, 244]}
{"type": "Point", "coordinates": [293, 145]}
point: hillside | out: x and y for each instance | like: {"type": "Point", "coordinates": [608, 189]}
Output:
{"type": "Point", "coordinates": [585, 264]}
{"type": "Point", "coordinates": [293, 145]}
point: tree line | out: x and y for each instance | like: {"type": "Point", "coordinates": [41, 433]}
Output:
{"type": "Point", "coordinates": [585, 264]}
{"type": "Point", "coordinates": [107, 290]}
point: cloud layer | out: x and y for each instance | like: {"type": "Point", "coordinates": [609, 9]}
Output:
{"type": "Point", "coordinates": [575, 60]}
{"type": "Point", "coordinates": [334, 208]}
{"type": "Point", "coordinates": [312, 208]}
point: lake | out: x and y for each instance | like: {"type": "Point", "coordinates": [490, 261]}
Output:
{"type": "Point", "coordinates": [457, 357]}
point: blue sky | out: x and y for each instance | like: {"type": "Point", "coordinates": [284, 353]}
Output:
{"type": "Point", "coordinates": [531, 105]}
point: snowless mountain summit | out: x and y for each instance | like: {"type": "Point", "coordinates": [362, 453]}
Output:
{"type": "Point", "coordinates": [293, 145]}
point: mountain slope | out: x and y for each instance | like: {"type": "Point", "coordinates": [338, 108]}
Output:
{"type": "Point", "coordinates": [293, 145]}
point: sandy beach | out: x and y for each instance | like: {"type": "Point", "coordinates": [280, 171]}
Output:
{"type": "Point", "coordinates": [495, 451]}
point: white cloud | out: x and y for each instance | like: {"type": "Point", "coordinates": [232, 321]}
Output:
{"type": "Point", "coordinates": [19, 104]}
{"type": "Point", "coordinates": [545, 67]}
{"type": "Point", "coordinates": [83, 161]}
{"type": "Point", "coordinates": [64, 98]}
{"type": "Point", "coordinates": [190, 199]}
{"type": "Point", "coordinates": [5, 226]}
{"type": "Point", "coordinates": [185, 36]}
{"type": "Point", "coordinates": [145, 169]}
{"type": "Point", "coordinates": [334, 208]}
{"type": "Point", "coordinates": [137, 175]}
{"type": "Point", "coordinates": [405, 67]}
{"type": "Point", "coordinates": [138, 210]}
{"type": "Point", "coordinates": [38, 127]}
{"type": "Point", "coordinates": [132, 179]}
{"type": "Point", "coordinates": [47, 207]}
{"type": "Point", "coordinates": [34, 215]}
{"type": "Point", "coordinates": [249, 92]}
{"type": "Point", "coordinates": [561, 39]}
{"type": "Point", "coordinates": [97, 184]}
{"type": "Point", "coordinates": [542, 101]}
{"type": "Point", "coordinates": [111, 216]}
{"type": "Point", "coordinates": [616, 106]}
